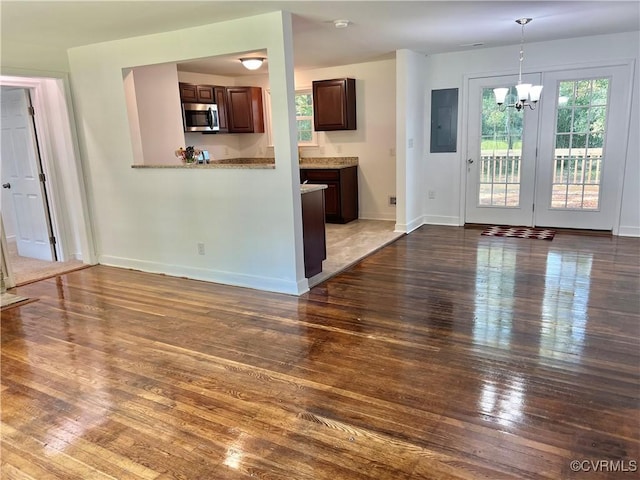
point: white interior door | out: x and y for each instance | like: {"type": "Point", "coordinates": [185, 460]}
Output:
{"type": "Point", "coordinates": [583, 136]}
{"type": "Point", "coordinates": [501, 153]}
{"type": "Point", "coordinates": [20, 176]}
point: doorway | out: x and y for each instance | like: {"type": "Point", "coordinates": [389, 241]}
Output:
{"type": "Point", "coordinates": [44, 212]}
{"type": "Point", "coordinates": [24, 193]}
{"type": "Point", "coordinates": [559, 165]}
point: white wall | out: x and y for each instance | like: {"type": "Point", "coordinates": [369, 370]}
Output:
{"type": "Point", "coordinates": [155, 105]}
{"type": "Point", "coordinates": [445, 171]}
{"type": "Point", "coordinates": [152, 219]}
{"type": "Point", "coordinates": [410, 139]}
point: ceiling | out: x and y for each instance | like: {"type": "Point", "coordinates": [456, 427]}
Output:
{"type": "Point", "coordinates": [377, 28]}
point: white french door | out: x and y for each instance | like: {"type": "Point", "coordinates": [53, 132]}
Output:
{"type": "Point", "coordinates": [501, 158]}
{"type": "Point", "coordinates": [583, 143]}
{"type": "Point", "coordinates": [560, 165]}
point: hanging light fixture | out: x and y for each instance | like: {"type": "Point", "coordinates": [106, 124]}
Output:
{"type": "Point", "coordinates": [528, 95]}
{"type": "Point", "coordinates": [252, 63]}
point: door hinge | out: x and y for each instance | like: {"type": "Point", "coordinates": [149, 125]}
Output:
{"type": "Point", "coordinates": [31, 110]}
{"type": "Point", "coordinates": [533, 208]}
{"type": "Point", "coordinates": [42, 177]}
{"type": "Point", "coordinates": [52, 240]}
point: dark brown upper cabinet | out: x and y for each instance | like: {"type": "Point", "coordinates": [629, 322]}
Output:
{"type": "Point", "coordinates": [244, 110]}
{"type": "Point", "coordinates": [334, 104]}
{"type": "Point", "coordinates": [190, 93]}
{"type": "Point", "coordinates": [220, 95]}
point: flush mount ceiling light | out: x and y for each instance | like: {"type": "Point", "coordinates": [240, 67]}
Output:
{"type": "Point", "coordinates": [527, 94]}
{"type": "Point", "coordinates": [252, 63]}
{"type": "Point", "coordinates": [341, 23]}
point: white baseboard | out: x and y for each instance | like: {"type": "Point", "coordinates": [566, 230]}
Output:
{"type": "Point", "coordinates": [377, 216]}
{"type": "Point", "coordinates": [441, 220]}
{"type": "Point", "coordinates": [624, 231]}
{"type": "Point", "coordinates": [409, 227]}
{"type": "Point", "coordinates": [227, 278]}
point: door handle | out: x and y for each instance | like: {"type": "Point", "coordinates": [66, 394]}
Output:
{"type": "Point", "coordinates": [6, 185]}
{"type": "Point", "coordinates": [470, 161]}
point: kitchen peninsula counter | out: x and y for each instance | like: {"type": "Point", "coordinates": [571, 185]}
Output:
{"type": "Point", "coordinates": [228, 163]}
{"type": "Point", "coordinates": [306, 163]}
{"type": "Point", "coordinates": [313, 228]}
{"type": "Point", "coordinates": [310, 163]}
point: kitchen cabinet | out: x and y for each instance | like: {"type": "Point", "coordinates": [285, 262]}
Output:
{"type": "Point", "coordinates": [341, 195]}
{"type": "Point", "coordinates": [244, 110]}
{"type": "Point", "coordinates": [220, 96]}
{"type": "Point", "coordinates": [190, 93]}
{"type": "Point", "coordinates": [240, 109]}
{"type": "Point", "coordinates": [313, 231]}
{"type": "Point", "coordinates": [334, 104]}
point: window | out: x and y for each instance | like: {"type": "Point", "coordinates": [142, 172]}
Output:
{"type": "Point", "coordinates": [304, 118]}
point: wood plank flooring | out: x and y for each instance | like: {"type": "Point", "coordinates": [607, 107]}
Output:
{"type": "Point", "coordinates": [445, 355]}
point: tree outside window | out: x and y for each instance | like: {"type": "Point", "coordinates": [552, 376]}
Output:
{"type": "Point", "coordinates": [304, 118]}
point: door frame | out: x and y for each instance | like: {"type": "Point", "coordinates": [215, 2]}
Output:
{"type": "Point", "coordinates": [36, 165]}
{"type": "Point", "coordinates": [613, 175]}
{"type": "Point", "coordinates": [57, 140]}
{"type": "Point", "coordinates": [628, 63]}
{"type": "Point", "coordinates": [524, 211]}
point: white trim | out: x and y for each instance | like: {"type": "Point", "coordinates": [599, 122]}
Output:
{"type": "Point", "coordinates": [216, 276]}
{"type": "Point", "coordinates": [624, 231]}
{"type": "Point", "coordinates": [409, 227]}
{"type": "Point", "coordinates": [377, 216]}
{"type": "Point", "coordinates": [448, 221]}
{"type": "Point", "coordinates": [631, 65]}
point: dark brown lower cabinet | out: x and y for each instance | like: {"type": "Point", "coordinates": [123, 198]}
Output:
{"type": "Point", "coordinates": [315, 246]}
{"type": "Point", "coordinates": [341, 195]}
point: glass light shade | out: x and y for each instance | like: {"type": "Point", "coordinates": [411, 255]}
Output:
{"type": "Point", "coordinates": [252, 63]}
{"type": "Point", "coordinates": [523, 90]}
{"type": "Point", "coordinates": [501, 94]}
{"type": "Point", "coordinates": [534, 93]}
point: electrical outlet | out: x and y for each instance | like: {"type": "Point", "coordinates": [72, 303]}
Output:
{"type": "Point", "coordinates": [392, 152]}
{"type": "Point", "coordinates": [431, 194]}
{"type": "Point", "coordinates": [392, 199]}
{"type": "Point", "coordinates": [410, 143]}
{"type": "Point", "coordinates": [200, 248]}
{"type": "Point", "coordinates": [338, 148]}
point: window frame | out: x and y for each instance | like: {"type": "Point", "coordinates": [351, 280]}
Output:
{"type": "Point", "coordinates": [314, 135]}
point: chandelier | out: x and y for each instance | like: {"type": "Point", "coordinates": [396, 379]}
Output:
{"type": "Point", "coordinates": [528, 95]}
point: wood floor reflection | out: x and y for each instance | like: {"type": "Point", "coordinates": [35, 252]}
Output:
{"type": "Point", "coordinates": [445, 355]}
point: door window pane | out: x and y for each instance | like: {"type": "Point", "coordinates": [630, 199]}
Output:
{"type": "Point", "coordinates": [579, 145]}
{"type": "Point", "coordinates": [500, 153]}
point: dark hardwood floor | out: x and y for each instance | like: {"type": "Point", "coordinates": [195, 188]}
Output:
{"type": "Point", "coordinates": [446, 355]}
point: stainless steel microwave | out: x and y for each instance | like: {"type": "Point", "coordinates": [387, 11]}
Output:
{"type": "Point", "coordinates": [200, 117]}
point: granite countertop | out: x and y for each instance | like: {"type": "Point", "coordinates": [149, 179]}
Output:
{"type": "Point", "coordinates": [311, 187]}
{"type": "Point", "coordinates": [307, 163]}
{"type": "Point", "coordinates": [262, 163]}
{"type": "Point", "coordinates": [242, 163]}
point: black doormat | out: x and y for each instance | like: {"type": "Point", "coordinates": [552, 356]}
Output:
{"type": "Point", "coordinates": [519, 232]}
